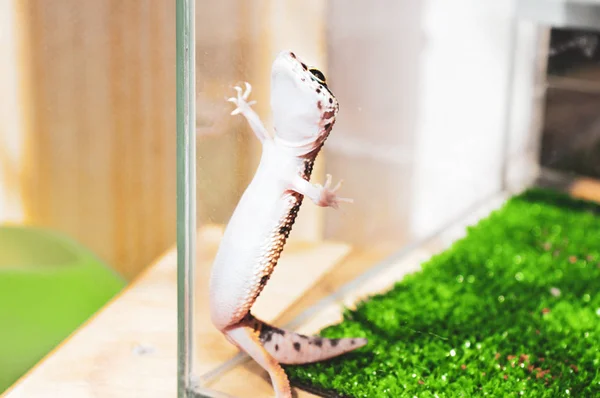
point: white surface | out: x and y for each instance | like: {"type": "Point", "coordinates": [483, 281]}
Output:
{"type": "Point", "coordinates": [423, 91]}
{"type": "Point", "coordinates": [460, 135]}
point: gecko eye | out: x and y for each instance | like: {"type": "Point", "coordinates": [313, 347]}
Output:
{"type": "Point", "coordinates": [318, 75]}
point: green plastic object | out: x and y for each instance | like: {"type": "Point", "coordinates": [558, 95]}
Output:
{"type": "Point", "coordinates": [49, 285]}
{"type": "Point", "coordinates": [511, 310]}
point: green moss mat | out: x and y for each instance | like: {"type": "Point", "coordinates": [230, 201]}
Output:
{"type": "Point", "coordinates": [512, 309]}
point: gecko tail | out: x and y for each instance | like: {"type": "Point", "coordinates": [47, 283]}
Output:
{"type": "Point", "coordinates": [291, 348]}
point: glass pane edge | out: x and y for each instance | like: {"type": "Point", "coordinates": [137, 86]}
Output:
{"type": "Point", "coordinates": [186, 190]}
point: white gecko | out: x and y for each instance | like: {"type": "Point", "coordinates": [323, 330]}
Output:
{"type": "Point", "coordinates": [304, 111]}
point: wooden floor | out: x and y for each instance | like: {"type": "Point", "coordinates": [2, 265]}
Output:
{"type": "Point", "coordinates": [130, 348]}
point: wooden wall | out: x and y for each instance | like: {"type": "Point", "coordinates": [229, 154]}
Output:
{"type": "Point", "coordinates": [93, 115]}
{"type": "Point", "coordinates": [93, 135]}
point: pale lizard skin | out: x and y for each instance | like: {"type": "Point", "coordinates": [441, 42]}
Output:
{"type": "Point", "coordinates": [304, 111]}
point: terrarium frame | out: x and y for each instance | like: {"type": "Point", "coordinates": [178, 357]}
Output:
{"type": "Point", "coordinates": [186, 192]}
{"type": "Point", "coordinates": [520, 170]}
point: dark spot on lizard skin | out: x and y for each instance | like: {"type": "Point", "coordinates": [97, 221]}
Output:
{"type": "Point", "coordinates": [331, 100]}
{"type": "Point", "coordinates": [327, 126]}
{"type": "Point", "coordinates": [334, 342]}
{"type": "Point", "coordinates": [329, 114]}
{"type": "Point", "coordinates": [293, 55]}
{"type": "Point", "coordinates": [327, 88]}
{"type": "Point", "coordinates": [285, 230]}
{"type": "Point", "coordinates": [264, 279]}
{"type": "Point", "coordinates": [297, 346]}
{"type": "Point", "coordinates": [319, 91]}
{"type": "Point", "coordinates": [251, 321]}
{"type": "Point", "coordinates": [276, 347]}
{"type": "Point", "coordinates": [352, 342]}
{"type": "Point", "coordinates": [304, 66]}
{"type": "Point", "coordinates": [267, 332]}
{"type": "Point", "coordinates": [308, 167]}
{"type": "Point", "coordinates": [319, 105]}
{"type": "Point", "coordinates": [318, 341]}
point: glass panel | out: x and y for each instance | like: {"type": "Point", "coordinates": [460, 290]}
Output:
{"type": "Point", "coordinates": [437, 126]}
{"type": "Point", "coordinates": [186, 192]}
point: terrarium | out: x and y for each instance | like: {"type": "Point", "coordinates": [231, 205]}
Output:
{"type": "Point", "coordinates": [460, 254]}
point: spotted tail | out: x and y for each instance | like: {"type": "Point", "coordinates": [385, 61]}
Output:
{"type": "Point", "coordinates": [292, 348]}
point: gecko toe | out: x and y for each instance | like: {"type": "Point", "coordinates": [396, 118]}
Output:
{"type": "Point", "coordinates": [248, 90]}
{"type": "Point", "coordinates": [338, 186]}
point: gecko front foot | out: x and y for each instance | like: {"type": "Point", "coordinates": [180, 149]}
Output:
{"type": "Point", "coordinates": [327, 196]}
{"type": "Point", "coordinates": [243, 106]}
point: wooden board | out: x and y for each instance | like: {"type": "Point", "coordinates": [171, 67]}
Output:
{"type": "Point", "coordinates": [586, 189]}
{"type": "Point", "coordinates": [87, 146]}
{"type": "Point", "coordinates": [129, 349]}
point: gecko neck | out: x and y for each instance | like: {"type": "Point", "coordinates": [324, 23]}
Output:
{"type": "Point", "coordinates": [303, 149]}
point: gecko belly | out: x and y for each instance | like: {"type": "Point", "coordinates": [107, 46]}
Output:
{"type": "Point", "coordinates": [251, 246]}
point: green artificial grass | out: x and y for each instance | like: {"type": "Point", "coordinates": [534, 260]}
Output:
{"type": "Point", "coordinates": [512, 309]}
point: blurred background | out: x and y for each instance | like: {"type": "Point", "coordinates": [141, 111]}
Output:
{"type": "Point", "coordinates": [87, 162]}
{"type": "Point", "coordinates": [571, 133]}
{"type": "Point", "coordinates": [87, 132]}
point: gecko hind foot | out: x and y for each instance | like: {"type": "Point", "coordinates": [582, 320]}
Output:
{"type": "Point", "coordinates": [248, 340]}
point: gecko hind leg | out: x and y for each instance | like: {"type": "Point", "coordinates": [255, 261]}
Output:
{"type": "Point", "coordinates": [248, 340]}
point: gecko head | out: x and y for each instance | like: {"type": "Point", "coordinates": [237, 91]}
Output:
{"type": "Point", "coordinates": [304, 109]}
